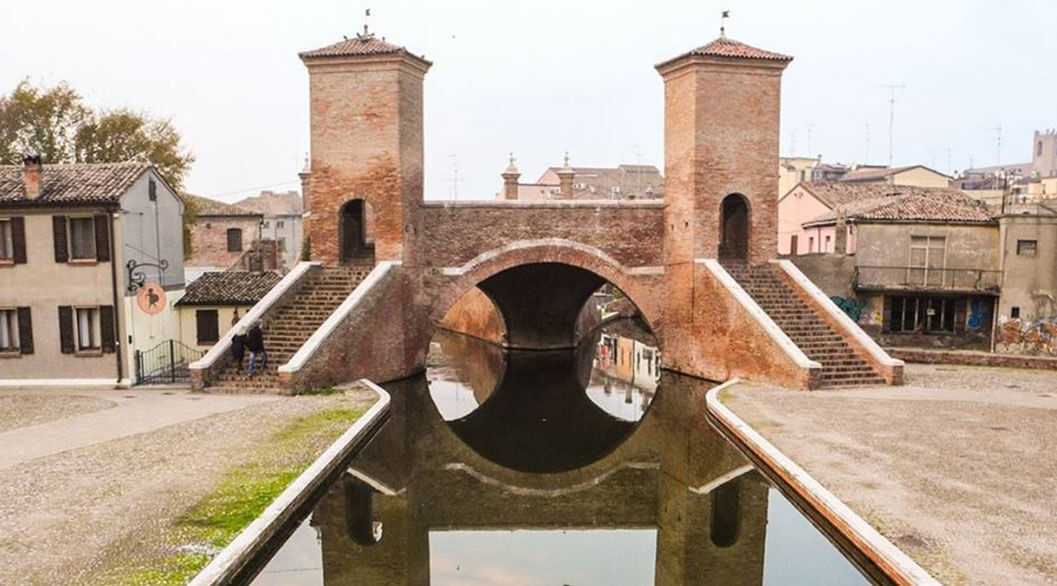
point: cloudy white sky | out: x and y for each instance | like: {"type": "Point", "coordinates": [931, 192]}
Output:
{"type": "Point", "coordinates": [545, 76]}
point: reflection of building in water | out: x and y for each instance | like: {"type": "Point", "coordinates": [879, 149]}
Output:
{"type": "Point", "coordinates": [621, 359]}
{"type": "Point", "coordinates": [708, 508]}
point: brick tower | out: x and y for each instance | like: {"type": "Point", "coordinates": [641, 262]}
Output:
{"type": "Point", "coordinates": [365, 182]}
{"type": "Point", "coordinates": [721, 109]}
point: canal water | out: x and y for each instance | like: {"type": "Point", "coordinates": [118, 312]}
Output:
{"type": "Point", "coordinates": [579, 467]}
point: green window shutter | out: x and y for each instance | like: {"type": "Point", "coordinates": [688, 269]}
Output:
{"type": "Point", "coordinates": [107, 328]}
{"type": "Point", "coordinates": [18, 239]}
{"type": "Point", "coordinates": [58, 231]}
{"type": "Point", "coordinates": [66, 329]}
{"type": "Point", "coordinates": [25, 331]}
{"type": "Point", "coordinates": [102, 238]}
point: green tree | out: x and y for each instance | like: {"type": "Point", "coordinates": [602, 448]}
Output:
{"type": "Point", "coordinates": [40, 121]}
{"type": "Point", "coordinates": [124, 135]}
{"type": "Point", "coordinates": [55, 124]}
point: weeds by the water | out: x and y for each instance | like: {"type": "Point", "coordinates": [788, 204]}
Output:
{"type": "Point", "coordinates": [243, 495]}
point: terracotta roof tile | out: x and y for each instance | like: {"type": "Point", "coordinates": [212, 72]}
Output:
{"type": "Point", "coordinates": [840, 193]}
{"type": "Point", "coordinates": [874, 174]}
{"type": "Point", "coordinates": [229, 288]}
{"type": "Point", "coordinates": [902, 204]}
{"type": "Point", "coordinates": [727, 47]}
{"type": "Point", "coordinates": [360, 45]}
{"type": "Point", "coordinates": [82, 183]}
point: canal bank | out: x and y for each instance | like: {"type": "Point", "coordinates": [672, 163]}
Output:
{"type": "Point", "coordinates": [955, 468]}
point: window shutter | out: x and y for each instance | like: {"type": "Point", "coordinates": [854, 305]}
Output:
{"type": "Point", "coordinates": [102, 238]}
{"type": "Point", "coordinates": [66, 329]}
{"type": "Point", "coordinates": [208, 328]}
{"type": "Point", "coordinates": [107, 327]}
{"type": "Point", "coordinates": [18, 239]}
{"type": "Point", "coordinates": [25, 331]}
{"type": "Point", "coordinates": [62, 252]}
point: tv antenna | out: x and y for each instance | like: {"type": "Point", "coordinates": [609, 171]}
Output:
{"type": "Point", "coordinates": [998, 143]}
{"type": "Point", "coordinates": [723, 23]}
{"type": "Point", "coordinates": [892, 115]}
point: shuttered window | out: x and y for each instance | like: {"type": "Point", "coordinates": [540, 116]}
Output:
{"type": "Point", "coordinates": [87, 328]}
{"type": "Point", "coordinates": [66, 343]}
{"type": "Point", "coordinates": [234, 240]}
{"type": "Point", "coordinates": [25, 330]}
{"type": "Point", "coordinates": [82, 238]}
{"type": "Point", "coordinates": [7, 240]}
{"type": "Point", "coordinates": [8, 330]}
{"type": "Point", "coordinates": [207, 322]}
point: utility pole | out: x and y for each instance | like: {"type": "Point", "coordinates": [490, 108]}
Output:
{"type": "Point", "coordinates": [892, 115]}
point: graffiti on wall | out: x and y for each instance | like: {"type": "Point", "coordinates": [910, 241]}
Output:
{"type": "Point", "coordinates": [1027, 336]}
{"type": "Point", "coordinates": [852, 307]}
{"type": "Point", "coordinates": [979, 314]}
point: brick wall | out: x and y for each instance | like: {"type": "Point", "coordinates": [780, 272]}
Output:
{"type": "Point", "coordinates": [209, 240]}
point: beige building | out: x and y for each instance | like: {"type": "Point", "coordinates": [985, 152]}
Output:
{"type": "Point", "coordinates": [793, 170]}
{"type": "Point", "coordinates": [68, 310]}
{"type": "Point", "coordinates": [216, 301]}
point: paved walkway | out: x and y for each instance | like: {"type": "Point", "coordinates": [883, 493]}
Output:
{"type": "Point", "coordinates": [134, 411]}
{"type": "Point", "coordinates": [956, 468]}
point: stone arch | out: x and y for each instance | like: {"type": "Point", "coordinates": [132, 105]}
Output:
{"type": "Point", "coordinates": [356, 232]}
{"type": "Point", "coordinates": [735, 227]}
{"type": "Point", "coordinates": [641, 289]}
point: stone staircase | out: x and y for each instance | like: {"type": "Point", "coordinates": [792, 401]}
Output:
{"type": "Point", "coordinates": [841, 364]}
{"type": "Point", "coordinates": [287, 329]}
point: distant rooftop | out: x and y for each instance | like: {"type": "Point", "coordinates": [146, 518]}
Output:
{"type": "Point", "coordinates": [211, 207]}
{"type": "Point", "coordinates": [896, 203]}
{"type": "Point", "coordinates": [270, 203]}
{"type": "Point", "coordinates": [874, 173]}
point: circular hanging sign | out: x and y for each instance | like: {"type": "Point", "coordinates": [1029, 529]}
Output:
{"type": "Point", "coordinates": [151, 298]}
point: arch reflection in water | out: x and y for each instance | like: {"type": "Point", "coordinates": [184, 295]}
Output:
{"type": "Point", "coordinates": [545, 411]}
{"type": "Point", "coordinates": [674, 504]}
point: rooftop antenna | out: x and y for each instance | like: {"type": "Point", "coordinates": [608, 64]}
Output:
{"type": "Point", "coordinates": [867, 158]}
{"type": "Point", "coordinates": [454, 176]}
{"type": "Point", "coordinates": [892, 115]}
{"type": "Point", "coordinates": [723, 23]}
{"type": "Point", "coordinates": [366, 18]}
{"type": "Point", "coordinates": [998, 143]}
{"type": "Point", "coordinates": [810, 127]}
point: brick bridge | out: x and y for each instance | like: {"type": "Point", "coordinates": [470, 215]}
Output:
{"type": "Point", "coordinates": [388, 265]}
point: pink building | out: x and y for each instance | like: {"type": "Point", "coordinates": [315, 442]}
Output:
{"type": "Point", "coordinates": [809, 214]}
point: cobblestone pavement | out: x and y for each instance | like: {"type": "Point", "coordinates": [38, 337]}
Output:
{"type": "Point", "coordinates": [956, 468]}
{"type": "Point", "coordinates": [25, 410]}
{"type": "Point", "coordinates": [61, 513]}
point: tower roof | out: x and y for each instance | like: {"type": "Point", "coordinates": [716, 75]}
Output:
{"type": "Point", "coordinates": [359, 46]}
{"type": "Point", "coordinates": [729, 48]}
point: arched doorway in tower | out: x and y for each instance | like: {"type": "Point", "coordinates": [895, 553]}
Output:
{"type": "Point", "coordinates": [356, 232]}
{"type": "Point", "coordinates": [734, 228]}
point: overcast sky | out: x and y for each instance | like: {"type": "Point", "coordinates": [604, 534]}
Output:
{"type": "Point", "coordinates": [544, 76]}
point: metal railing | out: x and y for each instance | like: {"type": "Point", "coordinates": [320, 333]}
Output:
{"type": "Point", "coordinates": [927, 279]}
{"type": "Point", "coordinates": [165, 363]}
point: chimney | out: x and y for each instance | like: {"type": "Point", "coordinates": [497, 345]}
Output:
{"type": "Point", "coordinates": [510, 177]}
{"type": "Point", "coordinates": [565, 179]}
{"type": "Point", "coordinates": [32, 175]}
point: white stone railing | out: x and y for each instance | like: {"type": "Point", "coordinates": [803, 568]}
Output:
{"type": "Point", "coordinates": [760, 316]}
{"type": "Point", "coordinates": [849, 327]}
{"type": "Point", "coordinates": [231, 565]}
{"type": "Point", "coordinates": [305, 352]}
{"type": "Point", "coordinates": [221, 348]}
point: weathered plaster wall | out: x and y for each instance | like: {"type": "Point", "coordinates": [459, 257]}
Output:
{"type": "Point", "coordinates": [209, 240]}
{"type": "Point", "coordinates": [832, 273]}
{"type": "Point", "coordinates": [969, 246]}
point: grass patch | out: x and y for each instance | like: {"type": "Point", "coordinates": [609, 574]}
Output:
{"type": "Point", "coordinates": [244, 493]}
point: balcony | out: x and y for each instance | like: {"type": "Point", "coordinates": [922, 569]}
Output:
{"type": "Point", "coordinates": [927, 279]}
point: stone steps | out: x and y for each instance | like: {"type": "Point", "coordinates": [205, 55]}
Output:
{"type": "Point", "coordinates": [841, 365]}
{"type": "Point", "coordinates": [290, 326]}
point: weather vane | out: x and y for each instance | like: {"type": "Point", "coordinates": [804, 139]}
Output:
{"type": "Point", "coordinates": [723, 23]}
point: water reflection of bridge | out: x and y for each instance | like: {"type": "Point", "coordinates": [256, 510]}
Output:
{"type": "Point", "coordinates": [674, 474]}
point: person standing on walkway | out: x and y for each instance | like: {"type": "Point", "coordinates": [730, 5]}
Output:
{"type": "Point", "coordinates": [255, 344]}
{"type": "Point", "coordinates": [238, 348]}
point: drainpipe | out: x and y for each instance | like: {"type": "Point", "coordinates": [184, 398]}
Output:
{"type": "Point", "coordinates": [121, 341]}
